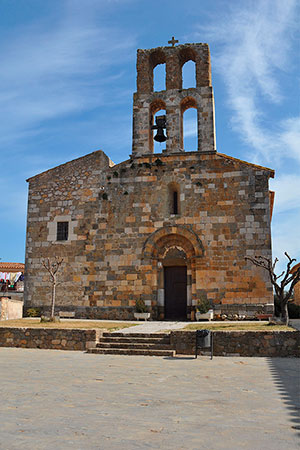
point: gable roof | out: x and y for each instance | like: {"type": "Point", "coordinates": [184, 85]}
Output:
{"type": "Point", "coordinates": [69, 163]}
{"type": "Point", "coordinates": [256, 166]}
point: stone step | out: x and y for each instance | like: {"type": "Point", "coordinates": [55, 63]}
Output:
{"type": "Point", "coordinates": [126, 340]}
{"type": "Point", "coordinates": [133, 345]}
{"type": "Point", "coordinates": [137, 335]}
{"type": "Point", "coordinates": [127, 351]}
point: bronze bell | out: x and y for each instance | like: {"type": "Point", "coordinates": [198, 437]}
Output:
{"type": "Point", "coordinates": [160, 125]}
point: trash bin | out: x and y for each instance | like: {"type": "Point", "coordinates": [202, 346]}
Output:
{"type": "Point", "coordinates": [204, 339]}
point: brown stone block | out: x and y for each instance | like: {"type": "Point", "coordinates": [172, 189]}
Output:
{"type": "Point", "coordinates": [130, 219]}
{"type": "Point", "coordinates": [132, 276]}
{"type": "Point", "coordinates": [76, 278]}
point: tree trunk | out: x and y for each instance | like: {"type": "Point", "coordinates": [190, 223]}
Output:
{"type": "Point", "coordinates": [284, 312]}
{"type": "Point", "coordinates": [53, 300]}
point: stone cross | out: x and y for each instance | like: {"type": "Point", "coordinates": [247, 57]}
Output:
{"type": "Point", "coordinates": [173, 41]}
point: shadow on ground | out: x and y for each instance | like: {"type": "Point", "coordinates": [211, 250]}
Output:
{"type": "Point", "coordinates": [285, 371]}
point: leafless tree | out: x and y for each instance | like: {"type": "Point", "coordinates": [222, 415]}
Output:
{"type": "Point", "coordinates": [284, 287]}
{"type": "Point", "coordinates": [52, 267]}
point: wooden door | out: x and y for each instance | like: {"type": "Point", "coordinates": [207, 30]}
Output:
{"type": "Point", "coordinates": [175, 292]}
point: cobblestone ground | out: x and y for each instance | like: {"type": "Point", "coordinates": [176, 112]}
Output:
{"type": "Point", "coordinates": [72, 400]}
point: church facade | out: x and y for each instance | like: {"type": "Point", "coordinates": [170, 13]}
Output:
{"type": "Point", "coordinates": [169, 228]}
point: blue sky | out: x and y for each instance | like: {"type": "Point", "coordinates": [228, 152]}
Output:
{"type": "Point", "coordinates": [68, 75]}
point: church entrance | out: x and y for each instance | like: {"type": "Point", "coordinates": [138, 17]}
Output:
{"type": "Point", "coordinates": [175, 281]}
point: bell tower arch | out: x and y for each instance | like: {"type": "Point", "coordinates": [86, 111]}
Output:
{"type": "Point", "coordinates": [174, 98]}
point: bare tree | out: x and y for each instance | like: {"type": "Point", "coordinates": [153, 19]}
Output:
{"type": "Point", "coordinates": [289, 278]}
{"type": "Point", "coordinates": [52, 268]}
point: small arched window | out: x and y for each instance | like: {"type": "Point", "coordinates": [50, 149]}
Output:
{"type": "Point", "coordinates": [174, 198]}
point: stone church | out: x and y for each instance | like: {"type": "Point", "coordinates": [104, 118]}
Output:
{"type": "Point", "coordinates": [169, 228]}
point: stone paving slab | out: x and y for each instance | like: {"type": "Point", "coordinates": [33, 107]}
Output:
{"type": "Point", "coordinates": [71, 400]}
{"type": "Point", "coordinates": [154, 327]}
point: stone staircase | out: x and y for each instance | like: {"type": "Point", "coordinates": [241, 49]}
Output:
{"type": "Point", "coordinates": [148, 344]}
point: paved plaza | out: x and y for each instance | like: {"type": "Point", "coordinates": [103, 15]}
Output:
{"type": "Point", "coordinates": [72, 400]}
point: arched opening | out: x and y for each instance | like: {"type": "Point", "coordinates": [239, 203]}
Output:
{"type": "Point", "coordinates": [189, 124]}
{"type": "Point", "coordinates": [159, 78]}
{"type": "Point", "coordinates": [157, 63]}
{"type": "Point", "coordinates": [189, 75]}
{"type": "Point", "coordinates": [187, 61]}
{"type": "Point", "coordinates": [174, 198]}
{"type": "Point", "coordinates": [157, 108]}
{"type": "Point", "coordinates": [158, 250]}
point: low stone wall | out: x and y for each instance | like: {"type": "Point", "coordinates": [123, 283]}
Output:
{"type": "Point", "coordinates": [242, 343]}
{"type": "Point", "coordinates": [49, 338]}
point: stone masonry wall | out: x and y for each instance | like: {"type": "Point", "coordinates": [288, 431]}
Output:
{"type": "Point", "coordinates": [49, 338]}
{"type": "Point", "coordinates": [242, 343]}
{"type": "Point", "coordinates": [117, 214]}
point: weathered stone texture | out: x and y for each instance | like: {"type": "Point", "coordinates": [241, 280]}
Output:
{"type": "Point", "coordinates": [49, 338]}
{"type": "Point", "coordinates": [241, 343]}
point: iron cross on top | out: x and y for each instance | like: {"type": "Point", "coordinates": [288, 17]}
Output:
{"type": "Point", "coordinates": [173, 41]}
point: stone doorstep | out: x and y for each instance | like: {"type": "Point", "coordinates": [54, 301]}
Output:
{"type": "Point", "coordinates": [154, 344]}
{"type": "Point", "coordinates": [127, 340]}
{"type": "Point", "coordinates": [127, 351]}
{"type": "Point", "coordinates": [138, 335]}
{"type": "Point", "coordinates": [144, 346]}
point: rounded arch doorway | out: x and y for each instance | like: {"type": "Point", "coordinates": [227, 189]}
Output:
{"type": "Point", "coordinates": [172, 252]}
{"type": "Point", "coordinates": [175, 284]}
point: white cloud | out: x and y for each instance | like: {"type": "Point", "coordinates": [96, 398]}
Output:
{"type": "Point", "coordinates": [254, 43]}
{"type": "Point", "coordinates": [287, 192]}
{"type": "Point", "coordinates": [286, 237]}
{"type": "Point", "coordinates": [48, 73]}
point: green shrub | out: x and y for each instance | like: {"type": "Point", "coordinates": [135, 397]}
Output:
{"type": "Point", "coordinates": [140, 306]}
{"type": "Point", "coordinates": [203, 305]}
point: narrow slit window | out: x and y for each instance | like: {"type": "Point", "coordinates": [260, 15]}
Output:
{"type": "Point", "coordinates": [175, 202]}
{"type": "Point", "coordinates": [62, 233]}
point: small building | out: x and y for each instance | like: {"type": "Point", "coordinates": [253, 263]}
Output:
{"type": "Point", "coordinates": [11, 277]}
{"type": "Point", "coordinates": [11, 290]}
{"type": "Point", "coordinates": [169, 228]}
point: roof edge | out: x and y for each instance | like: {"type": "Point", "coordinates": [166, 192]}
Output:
{"type": "Point", "coordinates": [110, 163]}
{"type": "Point", "coordinates": [272, 171]}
